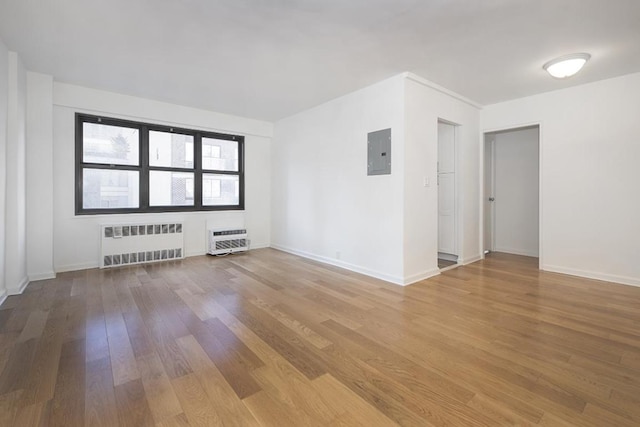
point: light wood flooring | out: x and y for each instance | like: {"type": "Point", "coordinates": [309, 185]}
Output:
{"type": "Point", "coordinates": [444, 263]}
{"type": "Point", "coordinates": [270, 339]}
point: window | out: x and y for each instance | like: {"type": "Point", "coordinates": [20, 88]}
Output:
{"type": "Point", "coordinates": [126, 167]}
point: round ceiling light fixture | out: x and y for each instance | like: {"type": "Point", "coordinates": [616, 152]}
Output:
{"type": "Point", "coordinates": [567, 65]}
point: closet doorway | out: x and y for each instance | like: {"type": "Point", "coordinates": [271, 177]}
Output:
{"type": "Point", "coordinates": [447, 209]}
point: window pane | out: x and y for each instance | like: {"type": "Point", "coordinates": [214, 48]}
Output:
{"type": "Point", "coordinates": [219, 154]}
{"type": "Point", "coordinates": [110, 189]}
{"type": "Point", "coordinates": [170, 188]}
{"type": "Point", "coordinates": [220, 190]}
{"type": "Point", "coordinates": [170, 149]}
{"type": "Point", "coordinates": [111, 145]}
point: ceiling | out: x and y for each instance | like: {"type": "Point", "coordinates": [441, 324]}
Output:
{"type": "Point", "coordinates": [268, 59]}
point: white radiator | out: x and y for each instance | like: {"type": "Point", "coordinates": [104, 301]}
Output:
{"type": "Point", "coordinates": [139, 243]}
{"type": "Point", "coordinates": [227, 241]}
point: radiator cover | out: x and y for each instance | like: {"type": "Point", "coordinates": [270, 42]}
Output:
{"type": "Point", "coordinates": [227, 241]}
{"type": "Point", "coordinates": [128, 244]}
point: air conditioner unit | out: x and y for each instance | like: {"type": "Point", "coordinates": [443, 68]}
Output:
{"type": "Point", "coordinates": [222, 242]}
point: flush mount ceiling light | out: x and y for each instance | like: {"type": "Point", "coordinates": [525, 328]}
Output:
{"type": "Point", "coordinates": [566, 66]}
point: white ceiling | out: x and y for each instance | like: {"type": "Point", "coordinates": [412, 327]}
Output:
{"type": "Point", "coordinates": [268, 59]}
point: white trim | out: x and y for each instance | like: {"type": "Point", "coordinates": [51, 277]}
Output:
{"type": "Point", "coordinates": [3, 297]}
{"type": "Point", "coordinates": [42, 276]}
{"type": "Point", "coordinates": [190, 254]}
{"type": "Point", "coordinates": [352, 267]}
{"type": "Point", "coordinates": [421, 276]}
{"type": "Point", "coordinates": [515, 252]}
{"type": "Point", "coordinates": [258, 245]}
{"type": "Point", "coordinates": [420, 80]}
{"type": "Point", "coordinates": [623, 280]}
{"type": "Point", "coordinates": [451, 267]}
{"type": "Point", "coordinates": [471, 260]}
{"type": "Point", "coordinates": [20, 288]}
{"type": "Point", "coordinates": [76, 267]}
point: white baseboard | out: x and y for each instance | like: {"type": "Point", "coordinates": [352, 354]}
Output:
{"type": "Point", "coordinates": [196, 253]}
{"type": "Point", "coordinates": [352, 267]}
{"type": "Point", "coordinates": [631, 281]}
{"type": "Point", "coordinates": [471, 260]}
{"type": "Point", "coordinates": [20, 288]}
{"type": "Point", "coordinates": [516, 252]}
{"type": "Point", "coordinates": [76, 267]}
{"type": "Point", "coordinates": [42, 276]}
{"type": "Point", "coordinates": [3, 296]}
{"type": "Point", "coordinates": [421, 276]}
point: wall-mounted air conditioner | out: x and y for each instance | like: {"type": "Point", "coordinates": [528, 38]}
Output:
{"type": "Point", "coordinates": [222, 242]}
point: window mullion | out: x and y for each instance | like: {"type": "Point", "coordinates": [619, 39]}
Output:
{"type": "Point", "coordinates": [144, 165]}
{"type": "Point", "coordinates": [197, 164]}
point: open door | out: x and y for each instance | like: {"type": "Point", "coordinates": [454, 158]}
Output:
{"type": "Point", "coordinates": [447, 229]}
{"type": "Point", "coordinates": [489, 192]}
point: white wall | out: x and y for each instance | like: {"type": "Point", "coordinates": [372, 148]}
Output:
{"type": "Point", "coordinates": [71, 253]}
{"type": "Point", "coordinates": [15, 210]}
{"type": "Point", "coordinates": [39, 176]}
{"type": "Point", "coordinates": [516, 192]}
{"type": "Point", "coordinates": [590, 175]}
{"type": "Point", "coordinates": [425, 104]}
{"type": "Point", "coordinates": [4, 101]}
{"type": "Point", "coordinates": [324, 205]}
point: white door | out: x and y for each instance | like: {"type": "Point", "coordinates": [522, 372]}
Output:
{"type": "Point", "coordinates": [516, 190]}
{"type": "Point", "coordinates": [446, 189]}
{"type": "Point", "coordinates": [489, 192]}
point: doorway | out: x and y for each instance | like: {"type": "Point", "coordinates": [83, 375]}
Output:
{"type": "Point", "coordinates": [511, 202]}
{"type": "Point", "coordinates": [447, 223]}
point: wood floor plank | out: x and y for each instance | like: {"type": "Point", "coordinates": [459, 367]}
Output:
{"type": "Point", "coordinates": [160, 395]}
{"type": "Point", "coordinates": [226, 402]}
{"type": "Point", "coordinates": [30, 415]}
{"type": "Point", "coordinates": [68, 404]}
{"type": "Point", "coordinates": [234, 369]}
{"type": "Point", "coordinates": [199, 411]}
{"type": "Point", "coordinates": [8, 407]}
{"type": "Point", "coordinates": [179, 420]}
{"type": "Point", "coordinates": [41, 377]}
{"type": "Point", "coordinates": [34, 326]}
{"type": "Point", "coordinates": [132, 405]}
{"type": "Point", "coordinates": [343, 400]}
{"type": "Point", "coordinates": [123, 362]}
{"type": "Point", "coordinates": [269, 412]}
{"type": "Point", "coordinates": [100, 406]}
{"type": "Point", "coordinates": [266, 338]}
{"type": "Point", "coordinates": [19, 362]}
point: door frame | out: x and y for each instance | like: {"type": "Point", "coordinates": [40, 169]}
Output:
{"type": "Point", "coordinates": [457, 197]}
{"type": "Point", "coordinates": [492, 191]}
{"type": "Point", "coordinates": [483, 194]}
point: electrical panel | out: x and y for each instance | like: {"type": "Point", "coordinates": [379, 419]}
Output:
{"type": "Point", "coordinates": [379, 152]}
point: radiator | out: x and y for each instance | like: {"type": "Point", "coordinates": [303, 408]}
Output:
{"type": "Point", "coordinates": [140, 243]}
{"type": "Point", "coordinates": [227, 241]}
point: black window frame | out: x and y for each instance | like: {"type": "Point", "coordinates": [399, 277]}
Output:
{"type": "Point", "coordinates": [144, 168]}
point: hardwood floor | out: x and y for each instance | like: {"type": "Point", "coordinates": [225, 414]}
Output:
{"type": "Point", "coordinates": [444, 263]}
{"type": "Point", "coordinates": [270, 339]}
